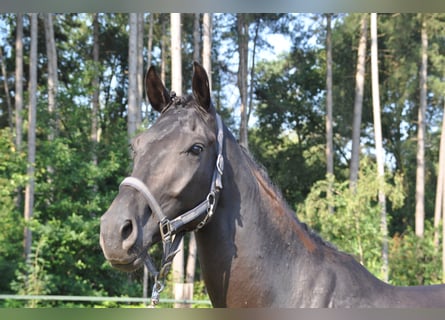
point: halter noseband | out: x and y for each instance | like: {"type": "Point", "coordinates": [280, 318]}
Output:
{"type": "Point", "coordinates": [172, 231]}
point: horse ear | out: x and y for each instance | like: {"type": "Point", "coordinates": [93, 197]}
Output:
{"type": "Point", "coordinates": [200, 85]}
{"type": "Point", "coordinates": [155, 90]}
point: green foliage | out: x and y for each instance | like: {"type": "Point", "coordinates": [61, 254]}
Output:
{"type": "Point", "coordinates": [33, 275]}
{"type": "Point", "coordinates": [66, 256]}
{"type": "Point", "coordinates": [72, 190]}
{"type": "Point", "coordinates": [414, 260]}
{"type": "Point", "coordinates": [200, 293]}
{"type": "Point", "coordinates": [288, 139]}
{"type": "Point", "coordinates": [354, 226]}
{"type": "Point", "coordinates": [11, 226]}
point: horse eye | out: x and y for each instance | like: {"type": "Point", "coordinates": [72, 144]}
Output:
{"type": "Point", "coordinates": [196, 149]}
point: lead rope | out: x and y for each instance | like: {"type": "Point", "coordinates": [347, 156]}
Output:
{"type": "Point", "coordinates": [158, 284]}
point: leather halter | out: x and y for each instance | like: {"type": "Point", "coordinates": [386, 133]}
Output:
{"type": "Point", "coordinates": [172, 231]}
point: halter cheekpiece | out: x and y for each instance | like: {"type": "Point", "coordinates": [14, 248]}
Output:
{"type": "Point", "coordinates": [173, 231]}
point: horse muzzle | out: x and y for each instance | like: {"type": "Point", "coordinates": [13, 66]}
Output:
{"type": "Point", "coordinates": [119, 240]}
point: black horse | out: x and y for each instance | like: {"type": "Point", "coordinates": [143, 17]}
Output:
{"type": "Point", "coordinates": [190, 174]}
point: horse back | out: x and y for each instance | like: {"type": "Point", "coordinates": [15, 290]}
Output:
{"type": "Point", "coordinates": [431, 296]}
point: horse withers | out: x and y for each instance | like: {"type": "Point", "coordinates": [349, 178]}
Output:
{"type": "Point", "coordinates": [191, 175]}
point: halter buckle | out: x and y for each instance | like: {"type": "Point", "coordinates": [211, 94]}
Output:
{"type": "Point", "coordinates": [165, 228]}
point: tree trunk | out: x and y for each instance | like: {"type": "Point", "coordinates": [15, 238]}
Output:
{"type": "Point", "coordinates": [420, 158]}
{"type": "Point", "coordinates": [380, 156]}
{"type": "Point", "coordinates": [191, 260]}
{"type": "Point", "coordinates": [358, 103]}
{"type": "Point", "coordinates": [7, 95]}
{"type": "Point", "coordinates": [19, 83]}
{"type": "Point", "coordinates": [149, 58]}
{"type": "Point", "coordinates": [18, 97]}
{"type": "Point", "coordinates": [32, 115]}
{"type": "Point", "coordinates": [176, 57]}
{"type": "Point", "coordinates": [243, 50]}
{"type": "Point", "coordinates": [329, 131]}
{"type": "Point", "coordinates": [52, 76]}
{"type": "Point", "coordinates": [329, 122]}
{"type": "Point", "coordinates": [196, 38]}
{"type": "Point", "coordinates": [52, 84]}
{"type": "Point", "coordinates": [140, 68]}
{"type": "Point", "coordinates": [443, 231]}
{"type": "Point", "coordinates": [207, 45]}
{"type": "Point", "coordinates": [163, 49]}
{"type": "Point", "coordinates": [96, 88]}
{"type": "Point", "coordinates": [440, 185]}
{"type": "Point", "coordinates": [176, 69]}
{"type": "Point", "coordinates": [252, 70]}
{"type": "Point", "coordinates": [132, 76]}
{"type": "Point", "coordinates": [150, 40]}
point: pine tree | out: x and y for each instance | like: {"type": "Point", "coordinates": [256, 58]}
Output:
{"type": "Point", "coordinates": [379, 152]}
{"type": "Point", "coordinates": [421, 128]}
{"type": "Point", "coordinates": [358, 102]}
{"type": "Point", "coordinates": [32, 117]}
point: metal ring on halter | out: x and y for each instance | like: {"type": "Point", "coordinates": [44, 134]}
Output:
{"type": "Point", "coordinates": [220, 164]}
{"type": "Point", "coordinates": [211, 201]}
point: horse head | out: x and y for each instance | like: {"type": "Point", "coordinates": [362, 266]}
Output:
{"type": "Point", "coordinates": [176, 176]}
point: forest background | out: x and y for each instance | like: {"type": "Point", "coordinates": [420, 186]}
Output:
{"type": "Point", "coordinates": [65, 129]}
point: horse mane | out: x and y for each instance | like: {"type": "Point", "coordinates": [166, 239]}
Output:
{"type": "Point", "coordinates": [258, 167]}
{"type": "Point", "coordinates": [255, 165]}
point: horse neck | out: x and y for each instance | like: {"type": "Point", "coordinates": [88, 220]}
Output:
{"type": "Point", "coordinates": [270, 211]}
{"type": "Point", "coordinates": [252, 223]}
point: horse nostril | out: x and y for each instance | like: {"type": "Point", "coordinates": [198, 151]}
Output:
{"type": "Point", "coordinates": [126, 229]}
{"type": "Point", "coordinates": [129, 234]}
